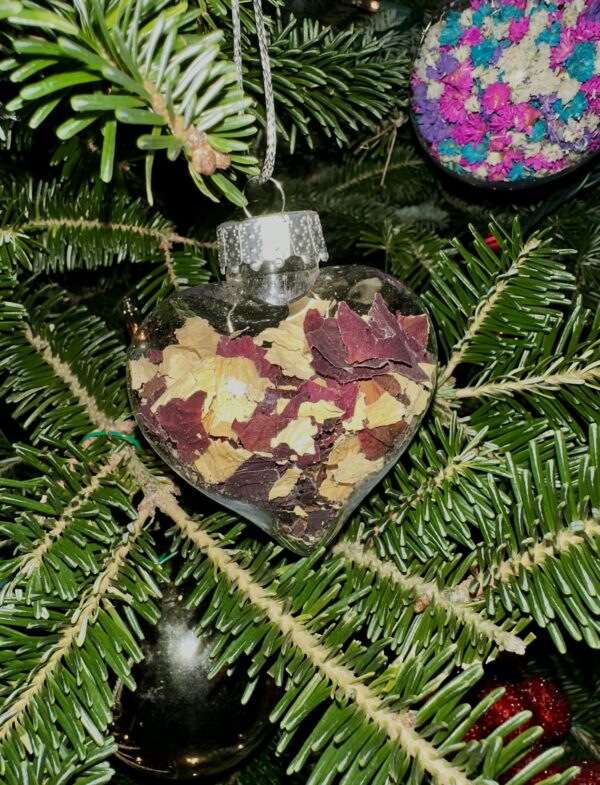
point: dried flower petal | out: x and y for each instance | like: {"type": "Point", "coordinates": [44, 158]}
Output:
{"type": "Point", "coordinates": [252, 480]}
{"type": "Point", "coordinates": [219, 461]}
{"type": "Point", "coordinates": [285, 484]}
{"type": "Point", "coordinates": [289, 349]}
{"type": "Point", "coordinates": [182, 420]}
{"type": "Point", "coordinates": [256, 434]}
{"type": "Point", "coordinates": [140, 372]}
{"type": "Point", "coordinates": [386, 410]}
{"type": "Point", "coordinates": [298, 435]}
{"type": "Point", "coordinates": [177, 362]}
{"type": "Point", "coordinates": [355, 469]}
{"type": "Point", "coordinates": [197, 333]}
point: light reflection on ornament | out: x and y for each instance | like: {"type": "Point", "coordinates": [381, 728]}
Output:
{"type": "Point", "coordinates": [178, 725]}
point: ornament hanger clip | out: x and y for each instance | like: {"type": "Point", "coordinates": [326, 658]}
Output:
{"type": "Point", "coordinates": [278, 188]}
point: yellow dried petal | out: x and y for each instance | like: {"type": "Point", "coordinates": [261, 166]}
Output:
{"type": "Point", "coordinates": [291, 362]}
{"type": "Point", "coordinates": [346, 446]}
{"type": "Point", "coordinates": [285, 484]}
{"type": "Point", "coordinates": [232, 383]}
{"type": "Point", "coordinates": [238, 389]}
{"type": "Point", "coordinates": [385, 411]}
{"type": "Point", "coordinates": [183, 388]}
{"type": "Point", "coordinates": [281, 404]}
{"type": "Point", "coordinates": [177, 361]}
{"type": "Point", "coordinates": [357, 421]}
{"type": "Point", "coordinates": [335, 491]}
{"type": "Point", "coordinates": [356, 468]}
{"type": "Point", "coordinates": [319, 410]}
{"type": "Point", "coordinates": [141, 371]}
{"type": "Point", "coordinates": [300, 512]}
{"type": "Point", "coordinates": [197, 334]}
{"type": "Point", "coordinates": [298, 435]}
{"type": "Point", "coordinates": [429, 369]}
{"type": "Point", "coordinates": [417, 392]}
{"type": "Point", "coordinates": [220, 461]}
{"type": "Point", "coordinates": [289, 349]}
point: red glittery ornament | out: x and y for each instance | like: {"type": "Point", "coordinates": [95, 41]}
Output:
{"type": "Point", "coordinates": [550, 707]}
{"type": "Point", "coordinates": [507, 706]}
{"type": "Point", "coordinates": [554, 768]}
{"type": "Point", "coordinates": [589, 774]}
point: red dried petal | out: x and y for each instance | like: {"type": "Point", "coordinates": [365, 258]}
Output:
{"type": "Point", "coordinates": [312, 321]}
{"type": "Point", "coordinates": [253, 480]}
{"type": "Point", "coordinates": [155, 356]}
{"type": "Point", "coordinates": [153, 389]}
{"type": "Point", "coordinates": [392, 386]}
{"type": "Point", "coordinates": [181, 420]}
{"type": "Point", "coordinates": [376, 442]}
{"type": "Point", "coordinates": [327, 341]}
{"type": "Point", "coordinates": [310, 392]}
{"type": "Point", "coordinates": [417, 327]}
{"type": "Point", "coordinates": [256, 434]}
{"type": "Point", "coordinates": [357, 336]}
{"type": "Point", "coordinates": [244, 346]}
{"type": "Point", "coordinates": [390, 338]}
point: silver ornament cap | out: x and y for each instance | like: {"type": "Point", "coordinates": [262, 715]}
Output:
{"type": "Point", "coordinates": [268, 241]}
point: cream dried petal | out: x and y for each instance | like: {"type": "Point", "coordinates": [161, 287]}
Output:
{"type": "Point", "coordinates": [386, 410]}
{"type": "Point", "coordinates": [356, 468]}
{"type": "Point", "coordinates": [335, 491]}
{"type": "Point", "coordinates": [198, 334]}
{"type": "Point", "coordinates": [219, 461]}
{"type": "Point", "coordinates": [320, 411]}
{"type": "Point", "coordinates": [285, 484]}
{"type": "Point", "coordinates": [298, 435]}
{"type": "Point", "coordinates": [141, 371]}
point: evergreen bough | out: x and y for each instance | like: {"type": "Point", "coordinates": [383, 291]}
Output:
{"type": "Point", "coordinates": [487, 533]}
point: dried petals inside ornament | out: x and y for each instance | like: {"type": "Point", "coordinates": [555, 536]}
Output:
{"type": "Point", "coordinates": [287, 414]}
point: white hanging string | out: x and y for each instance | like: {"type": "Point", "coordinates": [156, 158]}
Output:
{"type": "Point", "coordinates": [268, 166]}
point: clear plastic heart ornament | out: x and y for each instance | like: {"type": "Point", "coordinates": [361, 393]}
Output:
{"type": "Point", "coordinates": [286, 392]}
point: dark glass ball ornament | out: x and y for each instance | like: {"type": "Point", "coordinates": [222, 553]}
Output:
{"type": "Point", "coordinates": [178, 724]}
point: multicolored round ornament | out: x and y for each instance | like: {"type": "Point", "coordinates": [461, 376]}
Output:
{"type": "Point", "coordinates": [285, 393]}
{"type": "Point", "coordinates": [506, 93]}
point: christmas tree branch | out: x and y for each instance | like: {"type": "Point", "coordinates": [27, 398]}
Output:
{"type": "Point", "coordinates": [161, 237]}
{"type": "Point", "coordinates": [545, 383]}
{"type": "Point", "coordinates": [344, 682]}
{"type": "Point", "coordinates": [486, 307]}
{"type": "Point", "coordinates": [376, 172]}
{"type": "Point", "coordinates": [453, 601]}
{"type": "Point", "coordinates": [190, 107]}
{"type": "Point", "coordinates": [473, 298]}
{"type": "Point", "coordinates": [566, 540]}
{"type": "Point", "coordinates": [455, 467]}
{"type": "Point", "coordinates": [62, 370]}
{"type": "Point", "coordinates": [31, 560]}
{"type": "Point", "coordinates": [72, 635]}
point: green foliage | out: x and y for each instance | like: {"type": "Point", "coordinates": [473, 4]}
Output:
{"type": "Point", "coordinates": [147, 67]}
{"type": "Point", "coordinates": [323, 80]}
{"type": "Point", "coordinates": [484, 536]}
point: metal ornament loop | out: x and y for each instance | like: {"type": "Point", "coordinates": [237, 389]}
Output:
{"type": "Point", "coordinates": [278, 187]}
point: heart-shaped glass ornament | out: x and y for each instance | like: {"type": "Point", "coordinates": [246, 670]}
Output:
{"type": "Point", "coordinates": [506, 93]}
{"type": "Point", "coordinates": [284, 393]}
